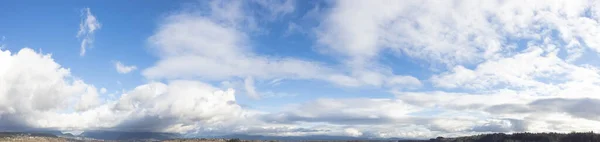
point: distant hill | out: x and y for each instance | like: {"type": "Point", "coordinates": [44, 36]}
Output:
{"type": "Point", "coordinates": [295, 138]}
{"type": "Point", "coordinates": [525, 137]}
{"type": "Point", "coordinates": [116, 135]}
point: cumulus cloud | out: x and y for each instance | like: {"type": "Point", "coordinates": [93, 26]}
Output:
{"type": "Point", "coordinates": [37, 92]}
{"type": "Point", "coordinates": [33, 86]}
{"type": "Point", "coordinates": [180, 106]}
{"type": "Point", "coordinates": [87, 27]}
{"type": "Point", "coordinates": [123, 69]}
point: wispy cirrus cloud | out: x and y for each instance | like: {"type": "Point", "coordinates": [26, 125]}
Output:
{"type": "Point", "coordinates": [2, 44]}
{"type": "Point", "coordinates": [87, 27]}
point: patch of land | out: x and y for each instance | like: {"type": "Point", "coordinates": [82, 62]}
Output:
{"type": "Point", "coordinates": [495, 137]}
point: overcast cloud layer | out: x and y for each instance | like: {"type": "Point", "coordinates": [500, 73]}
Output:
{"type": "Point", "coordinates": [496, 66]}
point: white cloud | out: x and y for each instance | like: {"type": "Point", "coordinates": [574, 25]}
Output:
{"type": "Point", "coordinates": [37, 93]}
{"type": "Point", "coordinates": [448, 33]}
{"type": "Point", "coordinates": [511, 68]}
{"type": "Point", "coordinates": [293, 28]}
{"type": "Point", "coordinates": [277, 8]}
{"type": "Point", "coordinates": [271, 94]}
{"type": "Point", "coordinates": [518, 110]}
{"type": "Point", "coordinates": [123, 69]}
{"type": "Point", "coordinates": [275, 82]}
{"type": "Point", "coordinates": [33, 86]}
{"type": "Point", "coordinates": [353, 132]}
{"type": "Point", "coordinates": [348, 112]}
{"type": "Point", "coordinates": [214, 48]}
{"type": "Point", "coordinates": [180, 106]}
{"type": "Point", "coordinates": [218, 52]}
{"type": "Point", "coordinates": [399, 117]}
{"type": "Point", "coordinates": [249, 87]}
{"type": "Point", "coordinates": [185, 106]}
{"type": "Point", "coordinates": [489, 53]}
{"type": "Point", "coordinates": [515, 72]}
{"type": "Point", "coordinates": [456, 114]}
{"type": "Point", "coordinates": [89, 24]}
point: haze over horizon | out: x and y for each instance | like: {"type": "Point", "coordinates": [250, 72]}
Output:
{"type": "Point", "coordinates": [357, 68]}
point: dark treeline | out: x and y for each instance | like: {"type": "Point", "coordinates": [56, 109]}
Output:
{"type": "Point", "coordinates": [525, 137]}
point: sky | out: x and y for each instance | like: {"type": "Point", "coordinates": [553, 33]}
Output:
{"type": "Point", "coordinates": [372, 69]}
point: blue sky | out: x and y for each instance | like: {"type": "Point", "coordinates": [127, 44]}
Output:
{"type": "Point", "coordinates": [278, 67]}
{"type": "Point", "coordinates": [127, 42]}
{"type": "Point", "coordinates": [38, 26]}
